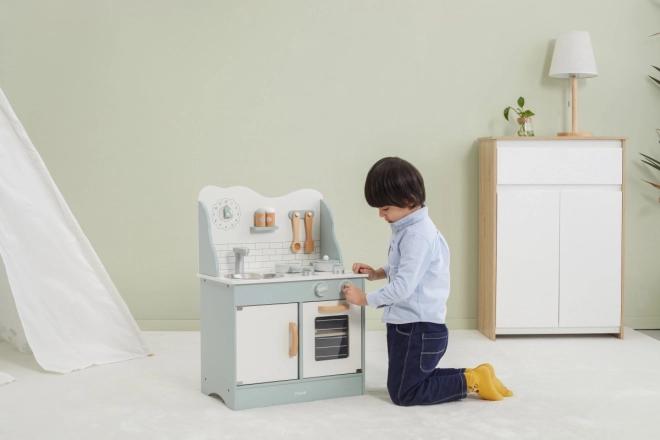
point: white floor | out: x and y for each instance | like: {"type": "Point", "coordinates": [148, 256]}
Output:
{"type": "Point", "coordinates": [566, 387]}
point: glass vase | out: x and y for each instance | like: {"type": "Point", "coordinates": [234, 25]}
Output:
{"type": "Point", "coordinates": [526, 128]}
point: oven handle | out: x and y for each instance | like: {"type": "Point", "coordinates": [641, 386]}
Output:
{"type": "Point", "coordinates": [338, 308]}
{"type": "Point", "coordinates": [293, 329]}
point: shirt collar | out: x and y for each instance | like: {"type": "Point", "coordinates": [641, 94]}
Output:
{"type": "Point", "coordinates": [410, 219]}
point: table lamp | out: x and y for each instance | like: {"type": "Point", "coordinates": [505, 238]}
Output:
{"type": "Point", "coordinates": [573, 58]}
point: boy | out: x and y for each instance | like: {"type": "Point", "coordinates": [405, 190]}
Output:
{"type": "Point", "coordinates": [415, 297]}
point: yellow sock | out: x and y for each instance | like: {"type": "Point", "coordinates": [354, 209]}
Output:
{"type": "Point", "coordinates": [480, 381]}
{"type": "Point", "coordinates": [499, 386]}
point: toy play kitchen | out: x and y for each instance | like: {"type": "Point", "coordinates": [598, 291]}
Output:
{"type": "Point", "coordinates": [275, 327]}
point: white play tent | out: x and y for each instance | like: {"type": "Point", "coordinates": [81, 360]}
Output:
{"type": "Point", "coordinates": [56, 298]}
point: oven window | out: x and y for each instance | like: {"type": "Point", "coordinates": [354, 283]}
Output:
{"type": "Point", "coordinates": [331, 334]}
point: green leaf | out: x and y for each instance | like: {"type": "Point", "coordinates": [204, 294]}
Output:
{"type": "Point", "coordinates": [527, 114]}
{"type": "Point", "coordinates": [656, 68]}
{"type": "Point", "coordinates": [650, 159]}
{"type": "Point", "coordinates": [506, 113]}
{"type": "Point", "coordinates": [656, 81]}
{"type": "Point", "coordinates": [521, 102]}
{"type": "Point", "coordinates": [652, 184]}
{"type": "Point", "coordinates": [652, 165]}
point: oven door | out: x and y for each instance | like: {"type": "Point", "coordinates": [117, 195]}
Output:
{"type": "Point", "coordinates": [332, 338]}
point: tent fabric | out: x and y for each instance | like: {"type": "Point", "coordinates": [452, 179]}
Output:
{"type": "Point", "coordinates": [11, 328]}
{"type": "Point", "coordinates": [58, 300]}
{"type": "Point", "coordinates": [5, 378]}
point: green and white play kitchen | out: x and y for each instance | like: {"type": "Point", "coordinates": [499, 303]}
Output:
{"type": "Point", "coordinates": [275, 326]}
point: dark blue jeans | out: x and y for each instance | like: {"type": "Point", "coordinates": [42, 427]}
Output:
{"type": "Point", "coordinates": [414, 351]}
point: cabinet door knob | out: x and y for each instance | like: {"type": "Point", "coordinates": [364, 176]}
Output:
{"type": "Point", "coordinates": [293, 329]}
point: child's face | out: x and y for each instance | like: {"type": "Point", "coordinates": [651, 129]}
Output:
{"type": "Point", "coordinates": [393, 213]}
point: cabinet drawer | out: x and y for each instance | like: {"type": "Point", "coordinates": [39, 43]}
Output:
{"type": "Point", "coordinates": [559, 162]}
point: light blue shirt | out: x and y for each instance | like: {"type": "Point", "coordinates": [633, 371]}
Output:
{"type": "Point", "coordinates": [417, 273]}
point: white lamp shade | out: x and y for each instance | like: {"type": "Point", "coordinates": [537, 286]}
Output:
{"type": "Point", "coordinates": [573, 56]}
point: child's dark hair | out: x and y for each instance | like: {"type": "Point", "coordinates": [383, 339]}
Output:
{"type": "Point", "coordinates": [393, 181]}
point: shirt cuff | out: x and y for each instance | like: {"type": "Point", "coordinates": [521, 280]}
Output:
{"type": "Point", "coordinates": [386, 269]}
{"type": "Point", "coordinates": [374, 299]}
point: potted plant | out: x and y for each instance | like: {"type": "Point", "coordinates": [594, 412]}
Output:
{"type": "Point", "coordinates": [524, 118]}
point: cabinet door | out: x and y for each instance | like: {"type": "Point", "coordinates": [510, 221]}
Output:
{"type": "Point", "coordinates": [590, 259]}
{"type": "Point", "coordinates": [264, 336]}
{"type": "Point", "coordinates": [527, 259]}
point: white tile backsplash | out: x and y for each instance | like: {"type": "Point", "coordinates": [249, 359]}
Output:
{"type": "Point", "coordinates": [263, 256]}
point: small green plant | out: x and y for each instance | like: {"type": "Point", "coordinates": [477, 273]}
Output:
{"type": "Point", "coordinates": [522, 117]}
{"type": "Point", "coordinates": [521, 112]}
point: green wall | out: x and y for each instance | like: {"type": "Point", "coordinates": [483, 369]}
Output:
{"type": "Point", "coordinates": [136, 105]}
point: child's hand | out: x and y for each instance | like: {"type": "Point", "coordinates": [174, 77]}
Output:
{"type": "Point", "coordinates": [354, 295]}
{"type": "Point", "coordinates": [364, 268]}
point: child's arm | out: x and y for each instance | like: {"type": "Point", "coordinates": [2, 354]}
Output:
{"type": "Point", "coordinates": [415, 256]}
{"type": "Point", "coordinates": [353, 294]}
{"type": "Point", "coordinates": [373, 274]}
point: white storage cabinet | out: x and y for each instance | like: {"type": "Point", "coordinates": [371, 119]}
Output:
{"type": "Point", "coordinates": [551, 235]}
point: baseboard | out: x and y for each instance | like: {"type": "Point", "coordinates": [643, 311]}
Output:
{"type": "Point", "coordinates": [193, 324]}
{"type": "Point", "coordinates": [643, 323]}
{"type": "Point", "coordinates": [371, 324]}
{"type": "Point", "coordinates": [168, 324]}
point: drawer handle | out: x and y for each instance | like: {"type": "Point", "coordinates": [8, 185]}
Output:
{"type": "Point", "coordinates": [338, 308]}
{"type": "Point", "coordinates": [293, 329]}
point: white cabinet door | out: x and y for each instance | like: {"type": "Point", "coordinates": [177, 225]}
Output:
{"type": "Point", "coordinates": [264, 336]}
{"type": "Point", "coordinates": [527, 259]}
{"type": "Point", "coordinates": [590, 268]}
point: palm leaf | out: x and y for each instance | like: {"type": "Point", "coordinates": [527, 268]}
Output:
{"type": "Point", "coordinates": [656, 81]}
{"type": "Point", "coordinates": [650, 159]}
{"type": "Point", "coordinates": [652, 165]}
{"type": "Point", "coordinates": [655, 185]}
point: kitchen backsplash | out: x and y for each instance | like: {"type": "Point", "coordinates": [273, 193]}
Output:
{"type": "Point", "coordinates": [262, 256]}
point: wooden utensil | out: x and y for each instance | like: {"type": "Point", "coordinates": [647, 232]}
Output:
{"type": "Point", "coordinates": [309, 241]}
{"type": "Point", "coordinates": [295, 246]}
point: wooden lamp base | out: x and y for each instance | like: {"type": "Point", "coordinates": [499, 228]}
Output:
{"type": "Point", "coordinates": [576, 134]}
{"type": "Point", "coordinates": [574, 109]}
